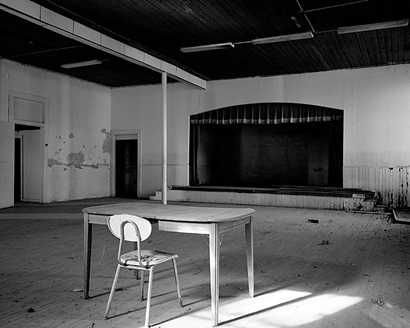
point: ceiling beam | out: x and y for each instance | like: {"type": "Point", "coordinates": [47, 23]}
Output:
{"type": "Point", "coordinates": [30, 11]}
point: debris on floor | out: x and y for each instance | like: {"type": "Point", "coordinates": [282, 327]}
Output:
{"type": "Point", "coordinates": [361, 262]}
{"type": "Point", "coordinates": [389, 316]}
{"type": "Point", "coordinates": [378, 300]}
{"type": "Point", "coordinates": [313, 220]}
{"type": "Point", "coordinates": [324, 242]}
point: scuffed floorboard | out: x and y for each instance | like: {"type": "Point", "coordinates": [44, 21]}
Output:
{"type": "Point", "coordinates": [346, 270]}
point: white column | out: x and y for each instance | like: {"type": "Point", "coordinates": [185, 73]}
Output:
{"type": "Point", "coordinates": [164, 137]}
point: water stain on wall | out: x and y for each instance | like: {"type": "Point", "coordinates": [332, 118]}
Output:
{"type": "Point", "coordinates": [76, 159]}
{"type": "Point", "coordinates": [391, 184]}
{"type": "Point", "coordinates": [53, 162]}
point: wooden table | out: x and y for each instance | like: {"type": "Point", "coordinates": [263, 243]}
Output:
{"type": "Point", "coordinates": [210, 221]}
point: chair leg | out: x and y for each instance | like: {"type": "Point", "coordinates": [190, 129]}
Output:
{"type": "Point", "coordinates": [137, 272]}
{"type": "Point", "coordinates": [114, 284]}
{"type": "Point", "coordinates": [151, 274]}
{"type": "Point", "coordinates": [174, 261]}
{"type": "Point", "coordinates": [141, 275]}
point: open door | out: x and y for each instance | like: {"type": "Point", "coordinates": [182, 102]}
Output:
{"type": "Point", "coordinates": [32, 166]}
{"type": "Point", "coordinates": [6, 164]}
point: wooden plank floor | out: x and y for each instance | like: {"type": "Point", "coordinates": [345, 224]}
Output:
{"type": "Point", "coordinates": [348, 270]}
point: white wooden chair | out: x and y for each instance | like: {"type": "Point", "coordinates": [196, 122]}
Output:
{"type": "Point", "coordinates": [136, 229]}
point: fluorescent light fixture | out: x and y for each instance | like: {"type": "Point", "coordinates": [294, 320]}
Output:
{"type": "Point", "coordinates": [82, 64]}
{"type": "Point", "coordinates": [283, 38]}
{"type": "Point", "coordinates": [208, 47]}
{"type": "Point", "coordinates": [372, 27]}
{"type": "Point", "coordinates": [230, 45]}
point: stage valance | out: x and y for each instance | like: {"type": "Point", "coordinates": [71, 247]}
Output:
{"type": "Point", "coordinates": [268, 113]}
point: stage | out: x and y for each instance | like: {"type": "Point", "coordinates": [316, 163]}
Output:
{"type": "Point", "coordinates": [287, 196]}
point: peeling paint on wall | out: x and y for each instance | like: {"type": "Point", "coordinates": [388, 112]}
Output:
{"type": "Point", "coordinates": [87, 156]}
{"type": "Point", "coordinates": [74, 161]}
{"type": "Point", "coordinates": [106, 147]}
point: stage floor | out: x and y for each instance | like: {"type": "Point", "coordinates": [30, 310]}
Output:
{"type": "Point", "coordinates": [285, 190]}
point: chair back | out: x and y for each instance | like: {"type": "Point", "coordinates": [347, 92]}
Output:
{"type": "Point", "coordinates": [129, 227]}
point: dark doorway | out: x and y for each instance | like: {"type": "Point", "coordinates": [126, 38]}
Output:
{"type": "Point", "coordinates": [17, 170]}
{"type": "Point", "coordinates": [126, 168]}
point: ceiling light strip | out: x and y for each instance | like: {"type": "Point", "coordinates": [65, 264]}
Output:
{"type": "Point", "coordinates": [32, 12]}
{"type": "Point", "coordinates": [230, 45]}
{"type": "Point", "coordinates": [82, 63]}
{"type": "Point", "coordinates": [372, 27]}
{"type": "Point", "coordinates": [208, 47]}
{"type": "Point", "coordinates": [283, 38]}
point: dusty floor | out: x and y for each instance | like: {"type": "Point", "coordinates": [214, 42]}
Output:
{"type": "Point", "coordinates": [348, 270]}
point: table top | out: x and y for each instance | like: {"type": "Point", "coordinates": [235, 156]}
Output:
{"type": "Point", "coordinates": [159, 211]}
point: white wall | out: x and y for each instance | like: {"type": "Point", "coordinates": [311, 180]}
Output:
{"type": "Point", "coordinates": [80, 115]}
{"type": "Point", "coordinates": [141, 108]}
{"type": "Point", "coordinates": [375, 101]}
{"type": "Point", "coordinates": [77, 127]}
{"type": "Point", "coordinates": [6, 164]}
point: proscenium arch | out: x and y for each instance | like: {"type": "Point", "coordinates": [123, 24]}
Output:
{"type": "Point", "coordinates": [267, 144]}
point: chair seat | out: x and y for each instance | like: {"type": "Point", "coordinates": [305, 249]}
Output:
{"type": "Point", "coordinates": [148, 258]}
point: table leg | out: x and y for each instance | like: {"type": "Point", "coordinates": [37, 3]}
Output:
{"type": "Point", "coordinates": [249, 256]}
{"type": "Point", "coordinates": [214, 270]}
{"type": "Point", "coordinates": [88, 228]}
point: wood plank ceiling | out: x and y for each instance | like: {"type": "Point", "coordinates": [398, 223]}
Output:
{"type": "Point", "coordinates": [31, 44]}
{"type": "Point", "coordinates": [162, 27]}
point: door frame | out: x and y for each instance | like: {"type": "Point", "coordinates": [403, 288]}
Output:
{"type": "Point", "coordinates": [12, 95]}
{"type": "Point", "coordinates": [42, 170]}
{"type": "Point", "coordinates": [130, 134]}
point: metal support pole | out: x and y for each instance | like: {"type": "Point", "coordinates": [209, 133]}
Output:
{"type": "Point", "coordinates": [164, 137]}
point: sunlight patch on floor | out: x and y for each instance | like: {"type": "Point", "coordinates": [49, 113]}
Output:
{"type": "Point", "coordinates": [284, 308]}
